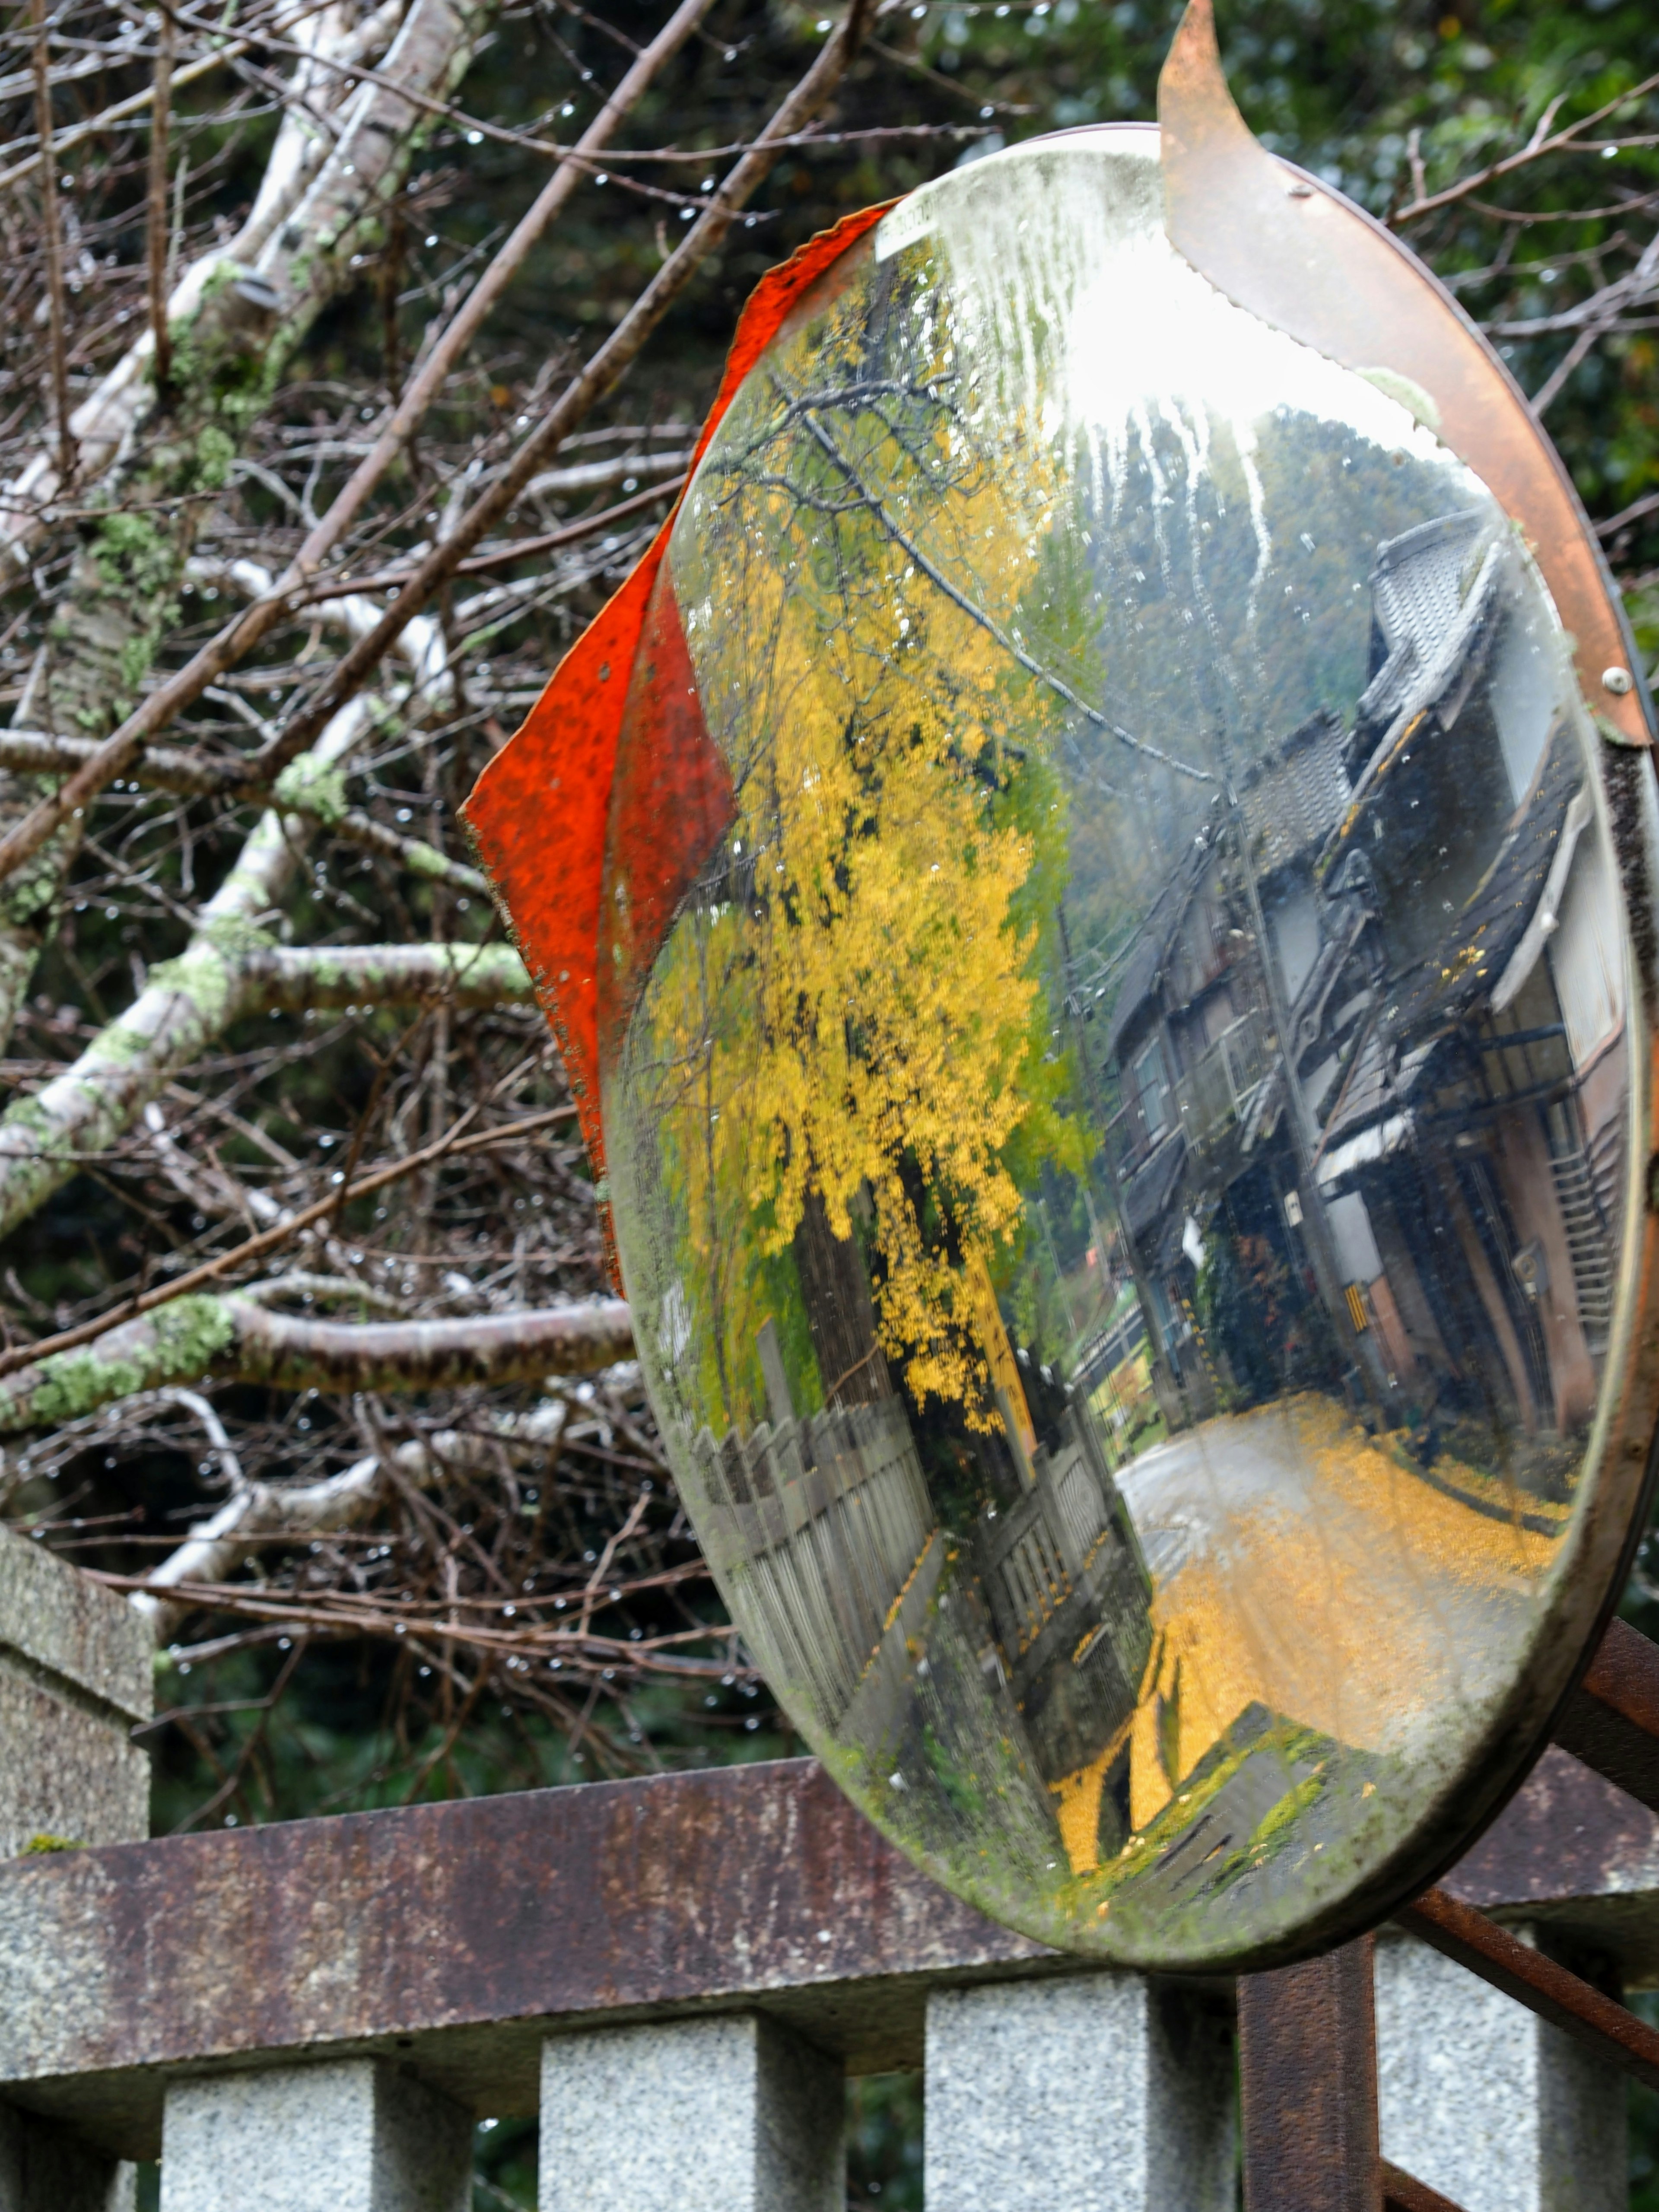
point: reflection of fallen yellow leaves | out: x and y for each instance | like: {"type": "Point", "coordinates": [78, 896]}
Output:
{"type": "Point", "coordinates": [1204, 1671]}
{"type": "Point", "coordinates": [1359, 1602]}
{"type": "Point", "coordinates": [1077, 1804]}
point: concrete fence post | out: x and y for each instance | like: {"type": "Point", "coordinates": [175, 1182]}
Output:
{"type": "Point", "coordinates": [343, 2135]}
{"type": "Point", "coordinates": [1485, 2102]}
{"type": "Point", "coordinates": [44, 2169]}
{"type": "Point", "coordinates": [1084, 2092]}
{"type": "Point", "coordinates": [75, 1667]}
{"type": "Point", "coordinates": [731, 2113]}
{"type": "Point", "coordinates": [75, 1664]}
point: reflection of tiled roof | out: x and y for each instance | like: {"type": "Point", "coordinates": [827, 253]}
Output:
{"type": "Point", "coordinates": [1148, 1190]}
{"type": "Point", "coordinates": [1461, 971]}
{"type": "Point", "coordinates": [1152, 946]}
{"type": "Point", "coordinates": [1416, 596]}
{"type": "Point", "coordinates": [1293, 799]}
{"type": "Point", "coordinates": [1453, 983]}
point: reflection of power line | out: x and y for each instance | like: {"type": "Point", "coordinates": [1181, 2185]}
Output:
{"type": "Point", "coordinates": [986, 623]}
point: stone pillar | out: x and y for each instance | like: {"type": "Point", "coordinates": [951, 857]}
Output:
{"type": "Point", "coordinates": [1485, 2102]}
{"type": "Point", "coordinates": [75, 1665]}
{"type": "Point", "coordinates": [727, 2113]}
{"type": "Point", "coordinates": [350, 2134]}
{"type": "Point", "coordinates": [43, 2169]}
{"type": "Point", "coordinates": [1084, 2092]}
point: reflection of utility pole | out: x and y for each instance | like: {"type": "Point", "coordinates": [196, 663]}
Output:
{"type": "Point", "coordinates": [1321, 1247]}
{"type": "Point", "coordinates": [1171, 1398]}
{"type": "Point", "coordinates": [1304, 1133]}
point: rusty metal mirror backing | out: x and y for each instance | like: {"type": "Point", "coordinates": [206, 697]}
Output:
{"type": "Point", "coordinates": [1122, 1053]}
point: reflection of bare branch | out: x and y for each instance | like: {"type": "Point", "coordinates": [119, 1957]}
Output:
{"type": "Point", "coordinates": [992, 628]}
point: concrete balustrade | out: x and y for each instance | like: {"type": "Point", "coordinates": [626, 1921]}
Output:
{"type": "Point", "coordinates": [1485, 2102]}
{"type": "Point", "coordinates": [1090, 2093]}
{"type": "Point", "coordinates": [311, 2017]}
{"type": "Point", "coordinates": [347, 2136]}
{"type": "Point", "coordinates": [728, 2114]}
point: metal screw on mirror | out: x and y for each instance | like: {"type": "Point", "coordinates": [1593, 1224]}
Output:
{"type": "Point", "coordinates": [1619, 681]}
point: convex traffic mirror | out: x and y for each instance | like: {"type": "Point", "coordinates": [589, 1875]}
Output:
{"type": "Point", "coordinates": [1086, 888]}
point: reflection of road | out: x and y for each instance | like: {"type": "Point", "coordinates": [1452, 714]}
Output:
{"type": "Point", "coordinates": [1298, 1564]}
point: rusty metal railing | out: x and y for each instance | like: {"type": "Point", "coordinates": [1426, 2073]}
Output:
{"type": "Point", "coordinates": [455, 1944]}
{"type": "Point", "coordinates": [1307, 2037]}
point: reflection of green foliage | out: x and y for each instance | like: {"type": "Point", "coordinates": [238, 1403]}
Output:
{"type": "Point", "coordinates": [962, 1788]}
{"type": "Point", "coordinates": [1278, 1818]}
{"type": "Point", "coordinates": [859, 1009]}
{"type": "Point", "coordinates": [1231, 1315]}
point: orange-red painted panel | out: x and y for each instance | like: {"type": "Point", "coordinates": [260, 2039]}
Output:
{"type": "Point", "coordinates": [541, 813]}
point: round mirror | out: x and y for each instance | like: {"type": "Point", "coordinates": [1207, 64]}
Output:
{"type": "Point", "coordinates": [1121, 1069]}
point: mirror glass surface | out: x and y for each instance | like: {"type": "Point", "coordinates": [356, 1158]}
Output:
{"type": "Point", "coordinates": [1120, 1158]}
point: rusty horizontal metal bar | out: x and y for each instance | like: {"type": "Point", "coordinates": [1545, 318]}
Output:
{"type": "Point", "coordinates": [1611, 1722]}
{"type": "Point", "coordinates": [452, 1936]}
{"type": "Point", "coordinates": [1552, 1991]}
{"type": "Point", "coordinates": [1403, 2192]}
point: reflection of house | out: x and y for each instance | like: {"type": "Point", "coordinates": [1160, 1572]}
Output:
{"type": "Point", "coordinates": [1442, 950]}
{"type": "Point", "coordinates": [1191, 1033]}
{"type": "Point", "coordinates": [1474, 1134]}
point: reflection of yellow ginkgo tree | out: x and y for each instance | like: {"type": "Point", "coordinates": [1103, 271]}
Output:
{"type": "Point", "coordinates": [858, 1013]}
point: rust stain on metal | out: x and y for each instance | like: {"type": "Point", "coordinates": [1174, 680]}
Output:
{"type": "Point", "coordinates": [438, 1921]}
{"type": "Point", "coordinates": [1568, 1837]}
{"type": "Point", "coordinates": [1611, 1722]}
{"type": "Point", "coordinates": [455, 1936]}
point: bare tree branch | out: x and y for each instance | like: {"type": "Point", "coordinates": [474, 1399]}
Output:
{"type": "Point", "coordinates": [604, 370]}
{"type": "Point", "coordinates": [238, 1340]}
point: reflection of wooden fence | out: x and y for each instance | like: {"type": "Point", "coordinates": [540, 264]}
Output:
{"type": "Point", "coordinates": [1070, 1598]}
{"type": "Point", "coordinates": [822, 1523]}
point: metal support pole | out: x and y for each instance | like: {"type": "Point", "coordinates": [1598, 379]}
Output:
{"type": "Point", "coordinates": [1307, 2064]}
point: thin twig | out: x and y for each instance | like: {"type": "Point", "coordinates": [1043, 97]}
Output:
{"type": "Point", "coordinates": [127, 111]}
{"type": "Point", "coordinates": [51, 239]}
{"type": "Point", "coordinates": [158, 227]}
{"type": "Point", "coordinates": [450, 1145]}
{"type": "Point", "coordinates": [255, 621]}
{"type": "Point", "coordinates": [1534, 150]}
{"type": "Point", "coordinates": [603, 372]}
